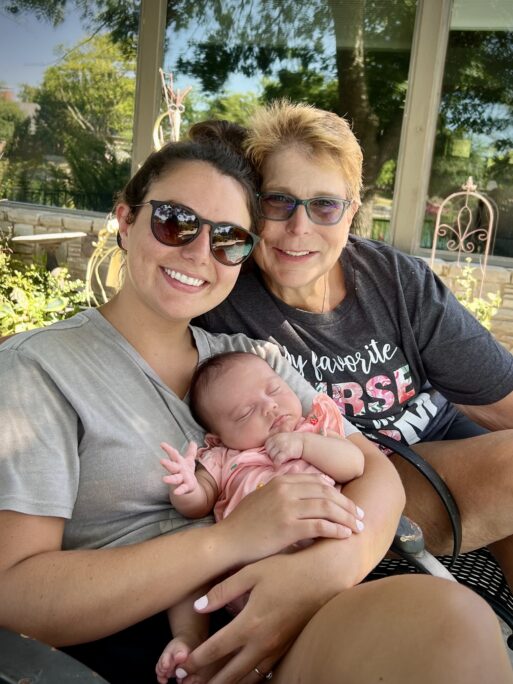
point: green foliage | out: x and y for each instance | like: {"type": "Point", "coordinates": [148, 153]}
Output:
{"type": "Point", "coordinates": [477, 106]}
{"type": "Point", "coordinates": [352, 62]}
{"type": "Point", "coordinates": [50, 10]}
{"type": "Point", "coordinates": [304, 85]}
{"type": "Point", "coordinates": [83, 130]}
{"type": "Point", "coordinates": [386, 178]}
{"type": "Point", "coordinates": [32, 297]}
{"type": "Point", "coordinates": [236, 107]}
{"type": "Point", "coordinates": [482, 309]}
{"type": "Point", "coordinates": [312, 51]}
{"type": "Point", "coordinates": [10, 116]}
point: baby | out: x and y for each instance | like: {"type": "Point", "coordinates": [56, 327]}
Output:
{"type": "Point", "coordinates": [256, 432]}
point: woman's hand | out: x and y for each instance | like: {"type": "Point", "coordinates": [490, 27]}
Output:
{"type": "Point", "coordinates": [288, 509]}
{"type": "Point", "coordinates": [282, 600]}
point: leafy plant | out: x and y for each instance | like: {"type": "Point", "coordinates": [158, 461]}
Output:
{"type": "Point", "coordinates": [32, 297]}
{"type": "Point", "coordinates": [482, 309]}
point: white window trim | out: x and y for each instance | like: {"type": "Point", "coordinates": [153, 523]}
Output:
{"type": "Point", "coordinates": [429, 47]}
{"type": "Point", "coordinates": [150, 56]}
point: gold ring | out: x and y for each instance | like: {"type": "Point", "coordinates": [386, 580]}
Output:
{"type": "Point", "coordinates": [268, 675]}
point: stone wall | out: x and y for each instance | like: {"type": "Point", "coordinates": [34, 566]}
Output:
{"type": "Point", "coordinates": [27, 219]}
{"type": "Point", "coordinates": [19, 219]}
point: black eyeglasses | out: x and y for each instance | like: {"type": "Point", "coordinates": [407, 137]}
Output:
{"type": "Point", "coordinates": [325, 211]}
{"type": "Point", "coordinates": [175, 225]}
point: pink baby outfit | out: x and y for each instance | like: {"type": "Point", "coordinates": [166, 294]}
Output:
{"type": "Point", "coordinates": [237, 473]}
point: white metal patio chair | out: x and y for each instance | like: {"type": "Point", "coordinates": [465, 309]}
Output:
{"type": "Point", "coordinates": [465, 222]}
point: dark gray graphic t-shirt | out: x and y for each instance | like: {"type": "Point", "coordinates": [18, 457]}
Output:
{"type": "Point", "coordinates": [393, 355]}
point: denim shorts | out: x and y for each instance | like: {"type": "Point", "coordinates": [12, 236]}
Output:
{"type": "Point", "coordinates": [460, 427]}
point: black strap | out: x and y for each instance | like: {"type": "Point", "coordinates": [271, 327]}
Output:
{"type": "Point", "coordinates": [434, 478]}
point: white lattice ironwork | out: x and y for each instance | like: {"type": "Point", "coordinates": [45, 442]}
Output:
{"type": "Point", "coordinates": [468, 227]}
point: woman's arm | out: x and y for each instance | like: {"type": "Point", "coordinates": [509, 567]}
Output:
{"type": "Point", "coordinates": [43, 588]}
{"type": "Point", "coordinates": [496, 416]}
{"type": "Point", "coordinates": [286, 590]}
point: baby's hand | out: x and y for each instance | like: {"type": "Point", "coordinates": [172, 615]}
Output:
{"type": "Point", "coordinates": [285, 446]}
{"type": "Point", "coordinates": [175, 653]}
{"type": "Point", "coordinates": [181, 468]}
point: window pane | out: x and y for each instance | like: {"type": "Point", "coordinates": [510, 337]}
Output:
{"type": "Point", "coordinates": [351, 57]}
{"type": "Point", "coordinates": [475, 130]}
{"type": "Point", "coordinates": [66, 101]}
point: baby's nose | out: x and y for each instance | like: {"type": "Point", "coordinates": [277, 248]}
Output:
{"type": "Point", "coordinates": [269, 404]}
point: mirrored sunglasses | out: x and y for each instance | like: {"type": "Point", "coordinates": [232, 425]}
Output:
{"type": "Point", "coordinates": [175, 225]}
{"type": "Point", "coordinates": [324, 211]}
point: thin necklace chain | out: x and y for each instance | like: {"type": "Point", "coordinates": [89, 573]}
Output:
{"type": "Point", "coordinates": [325, 291]}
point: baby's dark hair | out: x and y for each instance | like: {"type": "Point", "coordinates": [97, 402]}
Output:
{"type": "Point", "coordinates": [207, 372]}
{"type": "Point", "coordinates": [218, 143]}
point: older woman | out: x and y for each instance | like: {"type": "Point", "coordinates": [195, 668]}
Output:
{"type": "Point", "coordinates": [375, 329]}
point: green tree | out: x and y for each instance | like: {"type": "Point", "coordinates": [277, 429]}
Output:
{"type": "Point", "coordinates": [303, 85]}
{"type": "Point", "coordinates": [119, 17]}
{"type": "Point", "coordinates": [289, 42]}
{"type": "Point", "coordinates": [11, 116]}
{"type": "Point", "coordinates": [235, 107]}
{"type": "Point", "coordinates": [84, 124]}
{"type": "Point", "coordinates": [317, 51]}
{"type": "Point", "coordinates": [352, 58]}
{"type": "Point", "coordinates": [477, 105]}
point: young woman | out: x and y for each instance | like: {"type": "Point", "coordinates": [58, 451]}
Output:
{"type": "Point", "coordinates": [376, 329]}
{"type": "Point", "coordinates": [90, 545]}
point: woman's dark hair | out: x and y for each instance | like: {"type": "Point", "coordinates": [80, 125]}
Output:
{"type": "Point", "coordinates": [218, 143]}
{"type": "Point", "coordinates": [206, 373]}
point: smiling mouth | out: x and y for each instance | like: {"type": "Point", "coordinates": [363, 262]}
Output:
{"type": "Point", "coordinates": [182, 278]}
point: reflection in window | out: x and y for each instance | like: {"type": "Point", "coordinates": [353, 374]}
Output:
{"type": "Point", "coordinates": [66, 102]}
{"type": "Point", "coordinates": [351, 57]}
{"type": "Point", "coordinates": [475, 130]}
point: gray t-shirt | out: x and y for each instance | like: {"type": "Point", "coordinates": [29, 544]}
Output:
{"type": "Point", "coordinates": [82, 417]}
{"type": "Point", "coordinates": [393, 354]}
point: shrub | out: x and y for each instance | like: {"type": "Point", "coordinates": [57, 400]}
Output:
{"type": "Point", "coordinates": [32, 297]}
{"type": "Point", "coordinates": [482, 309]}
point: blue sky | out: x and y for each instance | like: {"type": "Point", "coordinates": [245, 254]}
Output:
{"type": "Point", "coordinates": [27, 45]}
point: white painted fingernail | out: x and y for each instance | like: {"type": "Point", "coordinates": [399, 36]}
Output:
{"type": "Point", "coordinates": [359, 512]}
{"type": "Point", "coordinates": [201, 603]}
{"type": "Point", "coordinates": [359, 525]}
{"type": "Point", "coordinates": [180, 672]}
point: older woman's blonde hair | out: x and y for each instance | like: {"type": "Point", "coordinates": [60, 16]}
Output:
{"type": "Point", "coordinates": [318, 132]}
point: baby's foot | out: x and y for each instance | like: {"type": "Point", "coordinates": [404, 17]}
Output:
{"type": "Point", "coordinates": [175, 653]}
